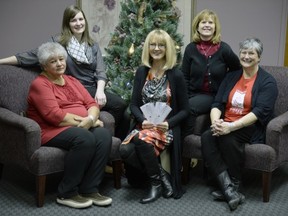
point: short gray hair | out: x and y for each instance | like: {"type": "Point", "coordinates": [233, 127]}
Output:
{"type": "Point", "coordinates": [252, 43]}
{"type": "Point", "coordinates": [48, 50]}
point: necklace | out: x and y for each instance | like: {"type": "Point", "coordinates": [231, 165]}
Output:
{"type": "Point", "coordinates": [206, 51]}
{"type": "Point", "coordinates": [157, 74]}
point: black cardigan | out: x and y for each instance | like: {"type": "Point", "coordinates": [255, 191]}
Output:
{"type": "Point", "coordinates": [195, 66]}
{"type": "Point", "coordinates": [180, 109]}
{"type": "Point", "coordinates": [264, 95]}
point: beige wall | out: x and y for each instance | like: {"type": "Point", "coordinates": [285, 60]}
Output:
{"type": "Point", "coordinates": [28, 23]}
{"type": "Point", "coordinates": [25, 24]}
{"type": "Point", "coordinates": [265, 19]}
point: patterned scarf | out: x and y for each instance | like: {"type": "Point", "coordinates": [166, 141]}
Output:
{"type": "Point", "coordinates": [82, 53]}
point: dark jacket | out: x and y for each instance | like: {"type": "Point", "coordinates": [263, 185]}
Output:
{"type": "Point", "coordinates": [195, 66]}
{"type": "Point", "coordinates": [264, 95]}
{"type": "Point", "coordinates": [179, 105]}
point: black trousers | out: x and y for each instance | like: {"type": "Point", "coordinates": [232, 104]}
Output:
{"type": "Point", "coordinates": [84, 166]}
{"type": "Point", "coordinates": [198, 104]}
{"type": "Point", "coordinates": [116, 106]}
{"type": "Point", "coordinates": [225, 152]}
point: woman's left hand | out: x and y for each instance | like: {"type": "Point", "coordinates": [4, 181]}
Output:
{"type": "Point", "coordinates": [220, 127]}
{"type": "Point", "coordinates": [84, 122]}
{"type": "Point", "coordinates": [164, 126]}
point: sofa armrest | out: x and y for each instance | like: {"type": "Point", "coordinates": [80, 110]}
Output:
{"type": "Point", "coordinates": [277, 134]}
{"type": "Point", "coordinates": [20, 137]}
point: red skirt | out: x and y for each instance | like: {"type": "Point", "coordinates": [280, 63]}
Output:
{"type": "Point", "coordinates": [159, 139]}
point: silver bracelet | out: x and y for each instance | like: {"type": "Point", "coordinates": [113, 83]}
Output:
{"type": "Point", "coordinates": [92, 118]}
{"type": "Point", "coordinates": [231, 124]}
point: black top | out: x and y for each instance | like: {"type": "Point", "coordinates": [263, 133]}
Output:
{"type": "Point", "coordinates": [195, 65]}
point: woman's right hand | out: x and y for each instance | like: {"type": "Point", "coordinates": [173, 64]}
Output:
{"type": "Point", "coordinates": [98, 123]}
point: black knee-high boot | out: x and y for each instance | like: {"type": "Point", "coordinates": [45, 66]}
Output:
{"type": "Point", "coordinates": [166, 183]}
{"type": "Point", "coordinates": [148, 158]}
{"type": "Point", "coordinates": [232, 197]}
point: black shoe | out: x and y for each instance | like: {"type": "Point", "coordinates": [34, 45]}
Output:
{"type": "Point", "coordinates": [218, 195]}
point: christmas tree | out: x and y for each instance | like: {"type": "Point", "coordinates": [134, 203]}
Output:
{"type": "Point", "coordinates": [137, 18]}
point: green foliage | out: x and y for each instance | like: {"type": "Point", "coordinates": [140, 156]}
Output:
{"type": "Point", "coordinates": [137, 18]}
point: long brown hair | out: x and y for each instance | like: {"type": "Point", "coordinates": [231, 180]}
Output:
{"type": "Point", "coordinates": [66, 33]}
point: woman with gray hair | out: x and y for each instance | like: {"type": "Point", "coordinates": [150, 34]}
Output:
{"type": "Point", "coordinates": [69, 119]}
{"type": "Point", "coordinates": [242, 108]}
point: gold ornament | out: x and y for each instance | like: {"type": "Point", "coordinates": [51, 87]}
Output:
{"type": "Point", "coordinates": [131, 49]}
{"type": "Point", "coordinates": [178, 48]}
{"type": "Point", "coordinates": [141, 12]}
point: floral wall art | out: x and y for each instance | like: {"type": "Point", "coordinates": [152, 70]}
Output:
{"type": "Point", "coordinates": [102, 18]}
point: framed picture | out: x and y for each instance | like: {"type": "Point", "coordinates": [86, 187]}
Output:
{"type": "Point", "coordinates": [102, 16]}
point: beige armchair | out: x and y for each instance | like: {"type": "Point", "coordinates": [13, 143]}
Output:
{"type": "Point", "coordinates": [20, 136]}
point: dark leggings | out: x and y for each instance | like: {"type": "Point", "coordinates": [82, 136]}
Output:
{"type": "Point", "coordinates": [84, 166]}
{"type": "Point", "coordinates": [198, 104]}
{"type": "Point", "coordinates": [225, 152]}
{"type": "Point", "coordinates": [140, 155]}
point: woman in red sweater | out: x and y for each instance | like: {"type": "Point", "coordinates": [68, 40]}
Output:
{"type": "Point", "coordinates": [69, 119]}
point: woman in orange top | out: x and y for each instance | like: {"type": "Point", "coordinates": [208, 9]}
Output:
{"type": "Point", "coordinates": [241, 110]}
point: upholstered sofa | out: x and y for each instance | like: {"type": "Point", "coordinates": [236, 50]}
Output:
{"type": "Point", "coordinates": [20, 136]}
{"type": "Point", "coordinates": [261, 157]}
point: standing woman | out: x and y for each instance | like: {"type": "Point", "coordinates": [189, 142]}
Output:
{"type": "Point", "coordinates": [206, 61]}
{"type": "Point", "coordinates": [84, 62]}
{"type": "Point", "coordinates": [158, 80]}
{"type": "Point", "coordinates": [243, 106]}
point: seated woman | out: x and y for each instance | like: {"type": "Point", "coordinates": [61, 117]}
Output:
{"type": "Point", "coordinates": [243, 106]}
{"type": "Point", "coordinates": [68, 118]}
{"type": "Point", "coordinates": [158, 80]}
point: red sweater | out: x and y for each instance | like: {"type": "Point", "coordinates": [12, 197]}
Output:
{"type": "Point", "coordinates": [48, 103]}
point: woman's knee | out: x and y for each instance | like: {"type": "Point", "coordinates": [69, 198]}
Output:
{"type": "Point", "coordinates": [126, 150]}
{"type": "Point", "coordinates": [84, 139]}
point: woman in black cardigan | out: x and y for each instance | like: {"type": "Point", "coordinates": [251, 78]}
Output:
{"type": "Point", "coordinates": [206, 61]}
{"type": "Point", "coordinates": [157, 80]}
{"type": "Point", "coordinates": [242, 108]}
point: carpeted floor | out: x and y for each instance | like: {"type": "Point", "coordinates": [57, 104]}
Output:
{"type": "Point", "coordinates": [17, 198]}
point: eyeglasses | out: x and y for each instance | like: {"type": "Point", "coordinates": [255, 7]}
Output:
{"type": "Point", "coordinates": [154, 45]}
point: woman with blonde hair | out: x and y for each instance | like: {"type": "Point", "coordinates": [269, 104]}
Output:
{"type": "Point", "coordinates": [157, 80]}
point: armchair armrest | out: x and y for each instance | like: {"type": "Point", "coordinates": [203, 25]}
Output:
{"type": "Point", "coordinates": [108, 120]}
{"type": "Point", "coordinates": [20, 137]}
{"type": "Point", "coordinates": [277, 134]}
